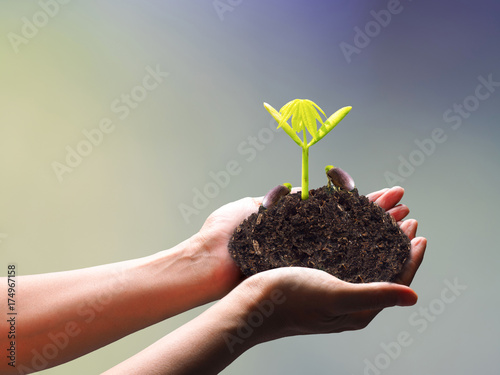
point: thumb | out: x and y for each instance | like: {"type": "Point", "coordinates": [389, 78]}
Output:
{"type": "Point", "coordinates": [373, 296]}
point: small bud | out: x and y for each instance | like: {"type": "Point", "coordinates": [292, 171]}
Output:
{"type": "Point", "coordinates": [339, 178]}
{"type": "Point", "coordinates": [275, 194]}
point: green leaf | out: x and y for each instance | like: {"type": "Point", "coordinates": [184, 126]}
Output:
{"type": "Point", "coordinates": [304, 115]}
{"type": "Point", "coordinates": [283, 124]}
{"type": "Point", "coordinates": [297, 123]}
{"type": "Point", "coordinates": [288, 109]}
{"type": "Point", "coordinates": [315, 105]}
{"type": "Point", "coordinates": [310, 115]}
{"type": "Point", "coordinates": [276, 115]}
{"type": "Point", "coordinates": [333, 121]}
{"type": "Point", "coordinates": [288, 130]}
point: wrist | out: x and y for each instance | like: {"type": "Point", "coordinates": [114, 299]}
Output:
{"type": "Point", "coordinates": [261, 316]}
{"type": "Point", "coordinates": [198, 272]}
{"type": "Point", "coordinates": [172, 281]}
{"type": "Point", "coordinates": [244, 324]}
{"type": "Point", "coordinates": [206, 344]}
{"type": "Point", "coordinates": [214, 264]}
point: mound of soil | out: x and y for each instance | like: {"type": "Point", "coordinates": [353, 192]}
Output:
{"type": "Point", "coordinates": [339, 232]}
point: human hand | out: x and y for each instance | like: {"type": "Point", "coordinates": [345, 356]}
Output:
{"type": "Point", "coordinates": [214, 236]}
{"type": "Point", "coordinates": [312, 301]}
{"type": "Point", "coordinates": [388, 199]}
{"type": "Point", "coordinates": [213, 239]}
{"type": "Point", "coordinates": [272, 304]}
{"type": "Point", "coordinates": [293, 301]}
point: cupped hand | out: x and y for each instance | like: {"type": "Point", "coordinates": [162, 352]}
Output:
{"type": "Point", "coordinates": [213, 239]}
{"type": "Point", "coordinates": [388, 199]}
{"type": "Point", "coordinates": [313, 301]}
{"type": "Point", "coordinates": [310, 301]}
{"type": "Point", "coordinates": [214, 236]}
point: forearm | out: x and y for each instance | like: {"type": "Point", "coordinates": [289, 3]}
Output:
{"type": "Point", "coordinates": [206, 344]}
{"type": "Point", "coordinates": [78, 311]}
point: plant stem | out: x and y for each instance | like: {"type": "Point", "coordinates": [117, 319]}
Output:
{"type": "Point", "coordinates": [305, 173]}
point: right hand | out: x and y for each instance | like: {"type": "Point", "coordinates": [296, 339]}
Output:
{"type": "Point", "coordinates": [313, 301]}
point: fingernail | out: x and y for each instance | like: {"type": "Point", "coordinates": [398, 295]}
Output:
{"type": "Point", "coordinates": [419, 241]}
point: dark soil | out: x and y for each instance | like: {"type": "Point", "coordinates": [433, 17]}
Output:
{"type": "Point", "coordinates": [339, 232]}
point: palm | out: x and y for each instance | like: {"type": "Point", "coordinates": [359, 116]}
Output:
{"type": "Point", "coordinates": [215, 235]}
{"type": "Point", "coordinates": [220, 225]}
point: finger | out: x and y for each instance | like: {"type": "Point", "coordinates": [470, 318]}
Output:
{"type": "Point", "coordinates": [372, 197]}
{"type": "Point", "coordinates": [236, 211]}
{"type": "Point", "coordinates": [372, 296]}
{"type": "Point", "coordinates": [390, 198]}
{"type": "Point", "coordinates": [418, 246]}
{"type": "Point", "coordinates": [399, 212]}
{"type": "Point", "coordinates": [409, 227]}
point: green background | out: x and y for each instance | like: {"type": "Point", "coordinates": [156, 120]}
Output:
{"type": "Point", "coordinates": [123, 199]}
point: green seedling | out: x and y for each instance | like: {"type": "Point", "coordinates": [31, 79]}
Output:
{"type": "Point", "coordinates": [305, 118]}
{"type": "Point", "coordinates": [275, 194]}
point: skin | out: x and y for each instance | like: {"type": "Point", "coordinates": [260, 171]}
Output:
{"type": "Point", "coordinates": [96, 306]}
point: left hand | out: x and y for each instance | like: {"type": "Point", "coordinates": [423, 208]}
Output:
{"type": "Point", "coordinates": [213, 239]}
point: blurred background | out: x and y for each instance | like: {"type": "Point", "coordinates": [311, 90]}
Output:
{"type": "Point", "coordinates": [116, 115]}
